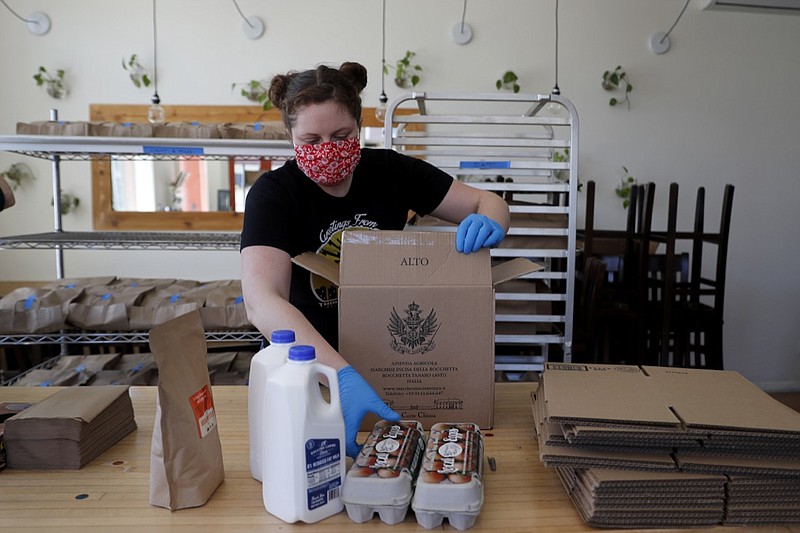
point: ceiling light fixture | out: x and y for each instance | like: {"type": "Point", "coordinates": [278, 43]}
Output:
{"type": "Point", "coordinates": [659, 41]}
{"type": "Point", "coordinates": [38, 22]}
{"type": "Point", "coordinates": [551, 107]}
{"type": "Point", "coordinates": [462, 32]}
{"type": "Point", "coordinates": [253, 27]}
{"type": "Point", "coordinates": [155, 113]}
{"type": "Point", "coordinates": [380, 110]}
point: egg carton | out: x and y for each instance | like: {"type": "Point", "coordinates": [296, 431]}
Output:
{"type": "Point", "coordinates": [381, 479]}
{"type": "Point", "coordinates": [450, 484]}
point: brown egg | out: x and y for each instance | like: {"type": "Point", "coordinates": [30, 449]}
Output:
{"type": "Point", "coordinates": [460, 478]}
{"type": "Point", "coordinates": [431, 477]}
{"type": "Point", "coordinates": [433, 466]}
{"type": "Point", "coordinates": [391, 463]}
{"type": "Point", "coordinates": [361, 472]}
{"type": "Point", "coordinates": [388, 473]}
{"type": "Point", "coordinates": [366, 460]}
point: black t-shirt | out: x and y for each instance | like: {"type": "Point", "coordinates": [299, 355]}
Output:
{"type": "Point", "coordinates": [286, 210]}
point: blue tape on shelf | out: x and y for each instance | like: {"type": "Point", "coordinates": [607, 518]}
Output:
{"type": "Point", "coordinates": [484, 164]}
{"type": "Point", "coordinates": [257, 126]}
{"type": "Point", "coordinates": [106, 296]}
{"type": "Point", "coordinates": [45, 383]}
{"type": "Point", "coordinates": [238, 300]}
{"type": "Point", "coordinates": [174, 298]}
{"type": "Point", "coordinates": [173, 150]}
{"type": "Point", "coordinates": [195, 123]}
{"type": "Point", "coordinates": [80, 368]}
{"type": "Point", "coordinates": [29, 301]}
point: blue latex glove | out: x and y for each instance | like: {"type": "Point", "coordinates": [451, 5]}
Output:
{"type": "Point", "coordinates": [358, 399]}
{"type": "Point", "coordinates": [478, 231]}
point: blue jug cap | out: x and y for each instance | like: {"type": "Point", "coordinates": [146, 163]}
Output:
{"type": "Point", "coordinates": [282, 336]}
{"type": "Point", "coordinates": [302, 353]}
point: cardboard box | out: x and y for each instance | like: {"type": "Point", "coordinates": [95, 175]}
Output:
{"type": "Point", "coordinates": [416, 319]}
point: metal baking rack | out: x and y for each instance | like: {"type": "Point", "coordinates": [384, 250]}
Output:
{"type": "Point", "coordinates": [523, 147]}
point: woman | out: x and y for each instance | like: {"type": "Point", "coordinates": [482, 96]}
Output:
{"type": "Point", "coordinates": [333, 184]}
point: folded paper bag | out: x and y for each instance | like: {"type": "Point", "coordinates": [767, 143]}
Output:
{"type": "Point", "coordinates": [186, 455]}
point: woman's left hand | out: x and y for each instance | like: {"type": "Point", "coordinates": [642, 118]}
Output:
{"type": "Point", "coordinates": [476, 232]}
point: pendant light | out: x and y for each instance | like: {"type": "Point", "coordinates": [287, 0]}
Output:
{"type": "Point", "coordinates": [155, 113]}
{"type": "Point", "coordinates": [380, 110]}
{"type": "Point", "coordinates": [553, 108]}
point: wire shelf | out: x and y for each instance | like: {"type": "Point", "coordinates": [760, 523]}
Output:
{"type": "Point", "coordinates": [80, 336]}
{"type": "Point", "coordinates": [119, 240]}
{"type": "Point", "coordinates": [86, 148]}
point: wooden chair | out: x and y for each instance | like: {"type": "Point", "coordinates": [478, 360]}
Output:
{"type": "Point", "coordinates": [586, 328]}
{"type": "Point", "coordinates": [689, 317]}
{"type": "Point", "coordinates": [701, 315]}
{"type": "Point", "coordinates": [622, 316]}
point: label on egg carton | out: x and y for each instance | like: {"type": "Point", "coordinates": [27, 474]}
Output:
{"type": "Point", "coordinates": [391, 449]}
{"type": "Point", "coordinates": [453, 454]}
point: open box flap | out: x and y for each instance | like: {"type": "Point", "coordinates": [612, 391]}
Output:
{"type": "Point", "coordinates": [318, 265]}
{"type": "Point", "coordinates": [513, 269]}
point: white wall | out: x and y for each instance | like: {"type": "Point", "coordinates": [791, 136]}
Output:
{"type": "Point", "coordinates": [720, 107]}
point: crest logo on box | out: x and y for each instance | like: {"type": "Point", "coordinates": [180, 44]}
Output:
{"type": "Point", "coordinates": [413, 335]}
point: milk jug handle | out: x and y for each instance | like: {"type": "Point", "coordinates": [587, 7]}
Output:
{"type": "Point", "coordinates": [333, 384]}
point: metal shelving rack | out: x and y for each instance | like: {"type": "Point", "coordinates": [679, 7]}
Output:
{"type": "Point", "coordinates": [85, 148]}
{"type": "Point", "coordinates": [478, 136]}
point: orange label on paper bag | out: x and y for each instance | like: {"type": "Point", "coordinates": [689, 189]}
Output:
{"type": "Point", "coordinates": [203, 406]}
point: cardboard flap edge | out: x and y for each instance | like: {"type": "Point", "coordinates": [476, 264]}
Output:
{"type": "Point", "coordinates": [513, 269]}
{"type": "Point", "coordinates": [318, 265]}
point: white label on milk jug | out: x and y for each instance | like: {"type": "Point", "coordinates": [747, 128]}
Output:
{"type": "Point", "coordinates": [323, 471]}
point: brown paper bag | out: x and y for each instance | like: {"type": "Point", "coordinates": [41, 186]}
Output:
{"type": "Point", "coordinates": [121, 129]}
{"type": "Point", "coordinates": [105, 307]}
{"type": "Point", "coordinates": [224, 307]}
{"type": "Point", "coordinates": [186, 455]}
{"type": "Point", "coordinates": [30, 310]}
{"type": "Point", "coordinates": [192, 130]}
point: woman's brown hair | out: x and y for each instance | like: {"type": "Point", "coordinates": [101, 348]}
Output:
{"type": "Point", "coordinates": [292, 91]}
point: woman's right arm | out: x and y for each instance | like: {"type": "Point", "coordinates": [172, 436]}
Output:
{"type": "Point", "coordinates": [266, 277]}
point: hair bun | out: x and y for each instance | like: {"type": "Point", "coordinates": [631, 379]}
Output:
{"type": "Point", "coordinates": [277, 89]}
{"type": "Point", "coordinates": [356, 73]}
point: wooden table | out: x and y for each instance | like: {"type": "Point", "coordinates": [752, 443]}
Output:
{"type": "Point", "coordinates": [520, 496]}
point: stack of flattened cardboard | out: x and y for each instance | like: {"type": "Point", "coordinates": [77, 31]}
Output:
{"type": "Point", "coordinates": [657, 422]}
{"type": "Point", "coordinates": [627, 498]}
{"type": "Point", "coordinates": [70, 428]}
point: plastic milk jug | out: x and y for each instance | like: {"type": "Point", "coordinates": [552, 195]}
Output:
{"type": "Point", "coordinates": [303, 443]}
{"type": "Point", "coordinates": [261, 366]}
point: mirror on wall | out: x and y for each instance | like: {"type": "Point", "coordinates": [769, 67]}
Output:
{"type": "Point", "coordinates": [186, 185]}
{"type": "Point", "coordinates": [188, 193]}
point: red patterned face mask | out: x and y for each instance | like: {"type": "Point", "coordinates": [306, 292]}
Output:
{"type": "Point", "coordinates": [328, 163]}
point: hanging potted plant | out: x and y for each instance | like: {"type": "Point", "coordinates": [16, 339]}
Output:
{"type": "Point", "coordinates": [69, 203]}
{"type": "Point", "coordinates": [257, 91]}
{"type": "Point", "coordinates": [406, 74]}
{"type": "Point", "coordinates": [136, 72]}
{"type": "Point", "coordinates": [613, 80]}
{"type": "Point", "coordinates": [623, 189]}
{"type": "Point", "coordinates": [54, 83]}
{"type": "Point", "coordinates": [17, 174]}
{"type": "Point", "coordinates": [508, 82]}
